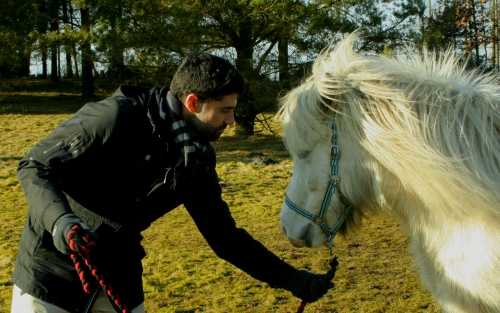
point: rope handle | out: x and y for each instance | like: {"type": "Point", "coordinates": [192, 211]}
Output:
{"type": "Point", "coordinates": [333, 267]}
{"type": "Point", "coordinates": [83, 257]}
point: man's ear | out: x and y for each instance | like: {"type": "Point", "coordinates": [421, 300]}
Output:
{"type": "Point", "coordinates": [191, 102]}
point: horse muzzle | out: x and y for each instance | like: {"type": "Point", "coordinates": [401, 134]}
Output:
{"type": "Point", "coordinates": [297, 243]}
{"type": "Point", "coordinates": [302, 241]}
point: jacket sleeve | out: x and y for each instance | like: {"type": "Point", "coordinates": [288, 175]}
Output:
{"type": "Point", "coordinates": [235, 245]}
{"type": "Point", "coordinates": [39, 171]}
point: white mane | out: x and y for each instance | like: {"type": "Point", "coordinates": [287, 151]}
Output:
{"type": "Point", "coordinates": [426, 119]}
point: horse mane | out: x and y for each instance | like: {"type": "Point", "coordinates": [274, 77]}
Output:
{"type": "Point", "coordinates": [423, 116]}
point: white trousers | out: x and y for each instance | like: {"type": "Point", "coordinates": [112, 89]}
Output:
{"type": "Point", "coordinates": [24, 303]}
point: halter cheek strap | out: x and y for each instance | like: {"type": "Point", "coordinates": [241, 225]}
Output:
{"type": "Point", "coordinates": [333, 186]}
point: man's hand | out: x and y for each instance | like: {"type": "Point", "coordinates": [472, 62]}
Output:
{"type": "Point", "coordinates": [71, 233]}
{"type": "Point", "coordinates": [309, 286]}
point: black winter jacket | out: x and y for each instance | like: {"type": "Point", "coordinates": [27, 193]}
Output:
{"type": "Point", "coordinates": [107, 165]}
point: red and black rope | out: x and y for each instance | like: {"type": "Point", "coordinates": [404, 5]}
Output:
{"type": "Point", "coordinates": [83, 257]}
{"type": "Point", "coordinates": [333, 267]}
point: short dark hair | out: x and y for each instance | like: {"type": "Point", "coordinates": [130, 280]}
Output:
{"type": "Point", "coordinates": [208, 76]}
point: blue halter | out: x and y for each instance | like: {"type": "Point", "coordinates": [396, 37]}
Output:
{"type": "Point", "coordinates": [332, 187]}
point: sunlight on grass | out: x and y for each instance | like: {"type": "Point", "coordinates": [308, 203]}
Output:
{"type": "Point", "coordinates": [181, 272]}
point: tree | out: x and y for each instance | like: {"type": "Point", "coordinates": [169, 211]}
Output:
{"type": "Point", "coordinates": [87, 62]}
{"type": "Point", "coordinates": [494, 36]}
{"type": "Point", "coordinates": [252, 30]}
{"type": "Point", "coordinates": [258, 35]}
{"type": "Point", "coordinates": [53, 15]}
{"type": "Point", "coordinates": [463, 25]}
{"type": "Point", "coordinates": [474, 22]}
{"type": "Point", "coordinates": [442, 28]}
{"type": "Point", "coordinates": [17, 22]}
{"type": "Point", "coordinates": [383, 24]}
{"type": "Point", "coordinates": [68, 44]}
{"type": "Point", "coordinates": [111, 39]}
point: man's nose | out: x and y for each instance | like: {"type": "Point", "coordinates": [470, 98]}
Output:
{"type": "Point", "coordinates": [229, 119]}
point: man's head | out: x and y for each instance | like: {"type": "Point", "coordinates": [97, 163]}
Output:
{"type": "Point", "coordinates": [207, 76]}
{"type": "Point", "coordinates": [208, 87]}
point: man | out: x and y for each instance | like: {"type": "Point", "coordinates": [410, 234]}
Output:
{"type": "Point", "coordinates": [118, 165]}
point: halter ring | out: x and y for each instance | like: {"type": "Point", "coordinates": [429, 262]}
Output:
{"type": "Point", "coordinates": [336, 178]}
{"type": "Point", "coordinates": [318, 220]}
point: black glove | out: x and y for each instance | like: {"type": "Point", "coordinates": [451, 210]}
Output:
{"type": "Point", "coordinates": [309, 286]}
{"type": "Point", "coordinates": [64, 232]}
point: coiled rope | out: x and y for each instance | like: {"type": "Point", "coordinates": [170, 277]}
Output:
{"type": "Point", "coordinates": [83, 257]}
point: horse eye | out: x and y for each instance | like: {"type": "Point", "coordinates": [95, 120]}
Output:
{"type": "Point", "coordinates": [303, 154]}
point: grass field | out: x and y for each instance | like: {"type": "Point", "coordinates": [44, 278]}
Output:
{"type": "Point", "coordinates": [181, 273]}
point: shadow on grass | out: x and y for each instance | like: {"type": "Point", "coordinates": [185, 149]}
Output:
{"type": "Point", "coordinates": [251, 143]}
{"type": "Point", "coordinates": [41, 96]}
{"type": "Point", "coordinates": [51, 104]}
{"type": "Point", "coordinates": [11, 158]}
{"type": "Point", "coordinates": [233, 148]}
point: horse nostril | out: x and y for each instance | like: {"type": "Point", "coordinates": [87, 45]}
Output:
{"type": "Point", "coordinates": [297, 243]}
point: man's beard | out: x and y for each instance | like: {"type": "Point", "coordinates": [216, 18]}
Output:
{"type": "Point", "coordinates": [203, 131]}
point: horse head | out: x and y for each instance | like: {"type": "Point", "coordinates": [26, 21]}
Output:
{"type": "Point", "coordinates": [333, 175]}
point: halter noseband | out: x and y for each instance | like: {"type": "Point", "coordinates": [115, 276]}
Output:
{"type": "Point", "coordinates": [332, 187]}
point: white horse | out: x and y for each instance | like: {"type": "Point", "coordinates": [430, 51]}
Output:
{"type": "Point", "coordinates": [415, 135]}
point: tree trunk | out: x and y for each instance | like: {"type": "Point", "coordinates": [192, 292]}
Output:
{"type": "Point", "coordinates": [25, 56]}
{"type": "Point", "coordinates": [59, 61]}
{"type": "Point", "coordinates": [53, 63]}
{"type": "Point", "coordinates": [41, 26]}
{"type": "Point", "coordinates": [497, 37]}
{"type": "Point", "coordinates": [67, 46]}
{"type": "Point", "coordinates": [69, 65]}
{"type": "Point", "coordinates": [73, 46]}
{"type": "Point", "coordinates": [75, 57]}
{"type": "Point", "coordinates": [245, 112]}
{"type": "Point", "coordinates": [474, 34]}
{"type": "Point", "coordinates": [283, 64]}
{"type": "Point", "coordinates": [44, 63]}
{"type": "Point", "coordinates": [87, 64]}
{"type": "Point", "coordinates": [494, 36]}
{"type": "Point", "coordinates": [54, 28]}
{"type": "Point", "coordinates": [116, 57]}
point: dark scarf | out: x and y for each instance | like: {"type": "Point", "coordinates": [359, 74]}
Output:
{"type": "Point", "coordinates": [163, 107]}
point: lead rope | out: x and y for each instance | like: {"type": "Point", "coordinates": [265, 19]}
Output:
{"type": "Point", "coordinates": [333, 267]}
{"type": "Point", "coordinates": [83, 257]}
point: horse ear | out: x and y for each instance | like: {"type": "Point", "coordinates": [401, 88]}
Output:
{"type": "Point", "coordinates": [191, 102]}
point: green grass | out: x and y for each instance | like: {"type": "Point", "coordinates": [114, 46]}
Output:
{"type": "Point", "coordinates": [181, 273]}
